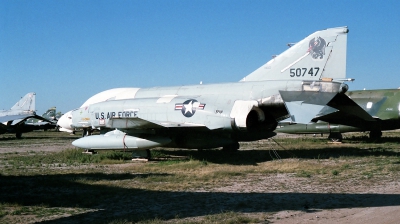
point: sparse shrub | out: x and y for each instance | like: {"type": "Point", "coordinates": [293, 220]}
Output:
{"type": "Point", "coordinates": [3, 213]}
{"type": "Point", "coordinates": [157, 153]}
{"type": "Point", "coordinates": [368, 175]}
{"type": "Point", "coordinates": [304, 174]}
{"type": "Point", "coordinates": [346, 166]}
{"type": "Point", "coordinates": [394, 168]}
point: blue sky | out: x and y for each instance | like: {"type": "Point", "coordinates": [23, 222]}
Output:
{"type": "Point", "coordinates": [68, 50]}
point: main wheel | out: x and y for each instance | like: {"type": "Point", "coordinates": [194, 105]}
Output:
{"type": "Point", "coordinates": [375, 134]}
{"type": "Point", "coordinates": [335, 137]}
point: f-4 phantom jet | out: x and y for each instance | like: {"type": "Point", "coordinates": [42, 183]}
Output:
{"type": "Point", "coordinates": [13, 120]}
{"type": "Point", "coordinates": [297, 83]}
{"type": "Point", "coordinates": [37, 124]}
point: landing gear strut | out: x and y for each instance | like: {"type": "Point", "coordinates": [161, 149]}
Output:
{"type": "Point", "coordinates": [87, 132]}
{"type": "Point", "coordinates": [89, 151]}
{"type": "Point", "coordinates": [18, 135]}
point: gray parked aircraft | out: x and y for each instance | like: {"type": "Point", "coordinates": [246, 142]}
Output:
{"type": "Point", "coordinates": [38, 124]}
{"type": "Point", "coordinates": [13, 120]}
{"type": "Point", "coordinates": [297, 83]}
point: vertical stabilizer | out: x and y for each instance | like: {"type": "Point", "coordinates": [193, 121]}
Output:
{"type": "Point", "coordinates": [26, 103]}
{"type": "Point", "coordinates": [320, 55]}
{"type": "Point", "coordinates": [50, 114]}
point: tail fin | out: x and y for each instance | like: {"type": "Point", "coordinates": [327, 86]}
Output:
{"type": "Point", "coordinates": [320, 55]}
{"type": "Point", "coordinates": [26, 103]}
{"type": "Point", "coordinates": [50, 113]}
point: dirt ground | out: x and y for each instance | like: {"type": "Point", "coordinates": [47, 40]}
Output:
{"type": "Point", "coordinates": [303, 200]}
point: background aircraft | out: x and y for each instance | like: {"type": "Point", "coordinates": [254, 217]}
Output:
{"type": "Point", "coordinates": [37, 124]}
{"type": "Point", "coordinates": [382, 105]}
{"type": "Point", "coordinates": [302, 79]}
{"type": "Point", "coordinates": [13, 120]}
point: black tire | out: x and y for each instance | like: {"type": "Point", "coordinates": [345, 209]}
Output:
{"type": "Point", "coordinates": [148, 154]}
{"type": "Point", "coordinates": [375, 135]}
{"type": "Point", "coordinates": [335, 137]}
{"type": "Point", "coordinates": [18, 135]}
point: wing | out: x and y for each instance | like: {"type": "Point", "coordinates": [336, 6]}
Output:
{"type": "Point", "coordinates": [343, 110]}
{"type": "Point", "coordinates": [15, 117]}
{"type": "Point", "coordinates": [20, 118]}
{"type": "Point", "coordinates": [346, 105]}
{"type": "Point", "coordinates": [139, 123]}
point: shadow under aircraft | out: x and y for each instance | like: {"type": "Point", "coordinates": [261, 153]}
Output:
{"type": "Point", "coordinates": [255, 156]}
{"type": "Point", "coordinates": [107, 203]}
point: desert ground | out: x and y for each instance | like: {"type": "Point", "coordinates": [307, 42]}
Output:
{"type": "Point", "coordinates": [287, 179]}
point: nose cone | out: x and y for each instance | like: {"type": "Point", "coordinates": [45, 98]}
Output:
{"type": "Point", "coordinates": [88, 142]}
{"type": "Point", "coordinates": [65, 121]}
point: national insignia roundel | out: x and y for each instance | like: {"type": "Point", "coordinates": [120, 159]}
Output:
{"type": "Point", "coordinates": [189, 107]}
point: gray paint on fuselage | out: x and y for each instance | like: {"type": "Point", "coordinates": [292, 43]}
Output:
{"type": "Point", "coordinates": [220, 97]}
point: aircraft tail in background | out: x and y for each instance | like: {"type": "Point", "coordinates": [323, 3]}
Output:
{"type": "Point", "coordinates": [320, 55]}
{"type": "Point", "coordinates": [50, 114]}
{"type": "Point", "coordinates": [26, 103]}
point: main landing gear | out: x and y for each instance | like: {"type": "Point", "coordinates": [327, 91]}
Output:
{"type": "Point", "coordinates": [335, 137]}
{"type": "Point", "coordinates": [87, 132]}
{"type": "Point", "coordinates": [375, 134]}
{"type": "Point", "coordinates": [18, 135]}
{"type": "Point", "coordinates": [234, 147]}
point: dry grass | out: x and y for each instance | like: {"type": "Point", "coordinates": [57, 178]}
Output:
{"type": "Point", "coordinates": [190, 186]}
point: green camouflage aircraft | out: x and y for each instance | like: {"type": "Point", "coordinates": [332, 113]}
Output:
{"type": "Point", "coordinates": [382, 105]}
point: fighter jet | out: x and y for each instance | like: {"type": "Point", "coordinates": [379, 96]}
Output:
{"type": "Point", "coordinates": [37, 124]}
{"type": "Point", "coordinates": [297, 83]}
{"type": "Point", "coordinates": [13, 120]}
{"type": "Point", "coordinates": [381, 112]}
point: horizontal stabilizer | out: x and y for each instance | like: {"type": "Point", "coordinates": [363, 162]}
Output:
{"type": "Point", "coordinates": [303, 106]}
